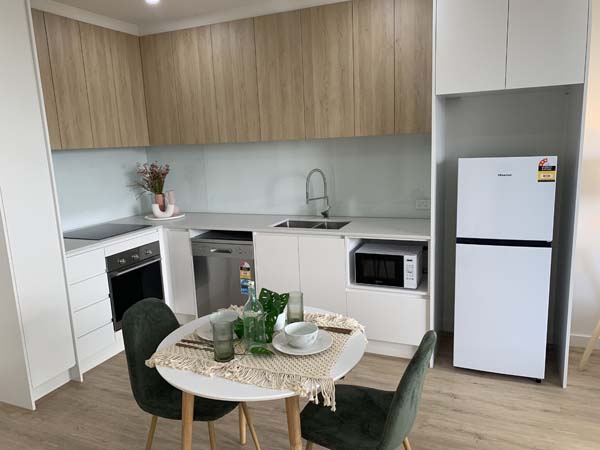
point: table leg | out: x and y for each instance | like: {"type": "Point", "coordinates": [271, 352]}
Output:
{"type": "Point", "coordinates": [187, 420]}
{"type": "Point", "coordinates": [292, 409]}
{"type": "Point", "coordinates": [242, 426]}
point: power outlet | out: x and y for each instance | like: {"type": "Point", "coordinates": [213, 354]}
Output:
{"type": "Point", "coordinates": [423, 204]}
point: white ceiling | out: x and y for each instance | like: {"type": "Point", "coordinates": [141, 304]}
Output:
{"type": "Point", "coordinates": [140, 13]}
{"type": "Point", "coordinates": [172, 14]}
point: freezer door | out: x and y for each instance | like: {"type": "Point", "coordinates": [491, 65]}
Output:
{"type": "Point", "coordinates": [501, 309]}
{"type": "Point", "coordinates": [506, 198]}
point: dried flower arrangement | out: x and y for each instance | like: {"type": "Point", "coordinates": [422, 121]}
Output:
{"type": "Point", "coordinates": [152, 177]}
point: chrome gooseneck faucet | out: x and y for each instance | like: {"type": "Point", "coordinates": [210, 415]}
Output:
{"type": "Point", "coordinates": [325, 212]}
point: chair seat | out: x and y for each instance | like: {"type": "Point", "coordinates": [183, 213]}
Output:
{"type": "Point", "coordinates": [357, 423]}
{"type": "Point", "coordinates": [167, 405]}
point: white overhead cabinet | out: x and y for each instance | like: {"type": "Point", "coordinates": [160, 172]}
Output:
{"type": "Point", "coordinates": [547, 42]}
{"type": "Point", "coordinates": [471, 45]}
{"type": "Point", "coordinates": [489, 45]}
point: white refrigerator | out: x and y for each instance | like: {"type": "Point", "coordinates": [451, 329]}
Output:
{"type": "Point", "coordinates": [505, 219]}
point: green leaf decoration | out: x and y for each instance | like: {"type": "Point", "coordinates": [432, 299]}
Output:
{"type": "Point", "coordinates": [259, 349]}
{"type": "Point", "coordinates": [273, 305]}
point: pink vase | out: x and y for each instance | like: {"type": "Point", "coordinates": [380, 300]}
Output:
{"type": "Point", "coordinates": [159, 199]}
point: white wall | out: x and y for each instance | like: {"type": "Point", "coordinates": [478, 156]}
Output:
{"type": "Point", "coordinates": [367, 176]}
{"type": "Point", "coordinates": [94, 186]}
{"type": "Point", "coordinates": [586, 294]}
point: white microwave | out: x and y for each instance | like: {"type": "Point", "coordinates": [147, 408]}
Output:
{"type": "Point", "coordinates": [389, 264]}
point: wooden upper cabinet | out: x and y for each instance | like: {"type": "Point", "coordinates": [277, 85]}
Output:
{"type": "Point", "coordinates": [195, 85]}
{"type": "Point", "coordinates": [159, 86]}
{"type": "Point", "coordinates": [234, 59]}
{"type": "Point", "coordinates": [99, 75]}
{"type": "Point", "coordinates": [41, 44]}
{"type": "Point", "coordinates": [129, 86]}
{"type": "Point", "coordinates": [279, 71]}
{"type": "Point", "coordinates": [373, 67]}
{"type": "Point", "coordinates": [413, 87]}
{"type": "Point", "coordinates": [328, 70]}
{"type": "Point", "coordinates": [68, 76]}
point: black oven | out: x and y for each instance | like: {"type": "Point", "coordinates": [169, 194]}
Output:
{"type": "Point", "coordinates": [134, 275]}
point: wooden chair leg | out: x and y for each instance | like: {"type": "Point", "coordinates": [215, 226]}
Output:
{"type": "Point", "coordinates": [309, 445]}
{"type": "Point", "coordinates": [406, 444]}
{"type": "Point", "coordinates": [242, 422]}
{"type": "Point", "coordinates": [151, 431]}
{"type": "Point", "coordinates": [590, 347]}
{"type": "Point", "coordinates": [250, 422]}
{"type": "Point", "coordinates": [212, 436]}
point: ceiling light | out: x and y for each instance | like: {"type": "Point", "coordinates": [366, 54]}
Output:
{"type": "Point", "coordinates": [152, 2]}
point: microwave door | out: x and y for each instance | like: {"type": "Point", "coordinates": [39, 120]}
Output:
{"type": "Point", "coordinates": [380, 270]}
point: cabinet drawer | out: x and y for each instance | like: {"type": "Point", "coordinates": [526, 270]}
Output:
{"type": "Point", "coordinates": [95, 341]}
{"type": "Point", "coordinates": [92, 317]}
{"type": "Point", "coordinates": [86, 265]}
{"type": "Point", "coordinates": [389, 317]}
{"type": "Point", "coordinates": [89, 291]}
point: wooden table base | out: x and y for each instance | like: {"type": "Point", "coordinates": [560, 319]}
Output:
{"type": "Point", "coordinates": [292, 409]}
{"type": "Point", "coordinates": [187, 420]}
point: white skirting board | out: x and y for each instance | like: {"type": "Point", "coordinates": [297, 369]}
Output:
{"type": "Point", "coordinates": [581, 341]}
{"type": "Point", "coordinates": [103, 355]}
{"type": "Point", "coordinates": [391, 349]}
{"type": "Point", "coordinates": [51, 385]}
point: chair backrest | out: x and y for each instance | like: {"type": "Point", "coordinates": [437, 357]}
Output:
{"type": "Point", "coordinates": [405, 405]}
{"type": "Point", "coordinates": [145, 325]}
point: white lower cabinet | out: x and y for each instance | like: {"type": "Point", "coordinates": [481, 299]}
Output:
{"type": "Point", "coordinates": [96, 340]}
{"type": "Point", "coordinates": [276, 261]}
{"type": "Point", "coordinates": [315, 265]}
{"type": "Point", "coordinates": [92, 317]}
{"type": "Point", "coordinates": [323, 272]}
{"type": "Point", "coordinates": [389, 317]}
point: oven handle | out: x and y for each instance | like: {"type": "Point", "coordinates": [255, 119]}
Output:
{"type": "Point", "coordinates": [131, 269]}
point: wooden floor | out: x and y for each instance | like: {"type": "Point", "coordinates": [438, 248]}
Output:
{"type": "Point", "coordinates": [460, 410]}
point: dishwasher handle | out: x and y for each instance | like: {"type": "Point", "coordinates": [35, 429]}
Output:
{"type": "Point", "coordinates": [226, 251]}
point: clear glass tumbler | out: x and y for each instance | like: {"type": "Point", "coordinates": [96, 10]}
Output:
{"type": "Point", "coordinates": [223, 340]}
{"type": "Point", "coordinates": [295, 307]}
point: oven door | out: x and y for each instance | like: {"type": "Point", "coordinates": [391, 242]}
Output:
{"type": "Point", "coordinates": [130, 285]}
{"type": "Point", "coordinates": [379, 270]}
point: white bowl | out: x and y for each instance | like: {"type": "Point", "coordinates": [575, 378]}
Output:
{"type": "Point", "coordinates": [301, 334]}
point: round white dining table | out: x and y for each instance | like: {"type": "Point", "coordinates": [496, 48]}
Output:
{"type": "Point", "coordinates": [192, 384]}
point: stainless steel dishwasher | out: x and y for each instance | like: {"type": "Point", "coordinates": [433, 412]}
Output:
{"type": "Point", "coordinates": [223, 265]}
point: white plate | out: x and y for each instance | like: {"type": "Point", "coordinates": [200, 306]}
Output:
{"type": "Point", "coordinates": [179, 216]}
{"type": "Point", "coordinates": [205, 332]}
{"type": "Point", "coordinates": [323, 342]}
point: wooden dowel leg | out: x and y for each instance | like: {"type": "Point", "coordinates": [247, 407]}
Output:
{"type": "Point", "coordinates": [212, 436]}
{"type": "Point", "coordinates": [292, 409]}
{"type": "Point", "coordinates": [187, 420]}
{"type": "Point", "coordinates": [151, 431]}
{"type": "Point", "coordinates": [406, 444]}
{"type": "Point", "coordinates": [590, 347]}
{"type": "Point", "coordinates": [243, 439]}
{"type": "Point", "coordinates": [250, 421]}
{"type": "Point", "coordinates": [309, 445]}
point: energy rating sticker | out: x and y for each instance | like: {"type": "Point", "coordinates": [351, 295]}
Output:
{"type": "Point", "coordinates": [245, 276]}
{"type": "Point", "coordinates": [546, 173]}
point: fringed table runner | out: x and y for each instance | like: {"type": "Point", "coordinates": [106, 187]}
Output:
{"type": "Point", "coordinates": [307, 376]}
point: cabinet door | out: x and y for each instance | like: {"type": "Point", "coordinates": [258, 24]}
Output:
{"type": "Point", "coordinates": [323, 272]}
{"type": "Point", "coordinates": [328, 71]}
{"type": "Point", "coordinates": [99, 76]}
{"type": "Point", "coordinates": [373, 67]}
{"type": "Point", "coordinates": [195, 85]}
{"type": "Point", "coordinates": [279, 72]}
{"type": "Point", "coordinates": [234, 60]}
{"type": "Point", "coordinates": [471, 45]}
{"type": "Point", "coordinates": [41, 44]}
{"type": "Point", "coordinates": [159, 86]}
{"type": "Point", "coordinates": [129, 85]}
{"type": "Point", "coordinates": [276, 262]}
{"type": "Point", "coordinates": [68, 76]}
{"type": "Point", "coordinates": [547, 42]}
{"type": "Point", "coordinates": [413, 66]}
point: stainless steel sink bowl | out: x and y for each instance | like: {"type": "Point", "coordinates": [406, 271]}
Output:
{"type": "Point", "coordinates": [312, 224]}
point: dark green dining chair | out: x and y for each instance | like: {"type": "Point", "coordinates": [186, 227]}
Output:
{"type": "Point", "coordinates": [145, 325]}
{"type": "Point", "coordinates": [370, 419]}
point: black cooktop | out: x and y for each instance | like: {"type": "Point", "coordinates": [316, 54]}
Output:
{"type": "Point", "coordinates": [102, 231]}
